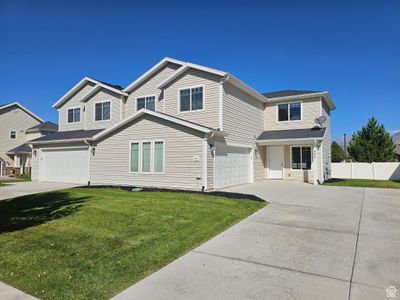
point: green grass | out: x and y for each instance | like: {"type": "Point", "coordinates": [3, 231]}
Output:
{"type": "Point", "coordinates": [8, 181]}
{"type": "Point", "coordinates": [94, 243]}
{"type": "Point", "coordinates": [364, 183]}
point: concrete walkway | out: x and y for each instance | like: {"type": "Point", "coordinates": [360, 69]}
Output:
{"type": "Point", "coordinates": [311, 242]}
{"type": "Point", "coordinates": [16, 189]}
{"type": "Point", "coordinates": [9, 293]}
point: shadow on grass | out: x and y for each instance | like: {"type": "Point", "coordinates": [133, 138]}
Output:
{"type": "Point", "coordinates": [32, 210]}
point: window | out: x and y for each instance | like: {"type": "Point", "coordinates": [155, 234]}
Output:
{"type": "Point", "coordinates": [191, 99]}
{"type": "Point", "coordinates": [74, 115]}
{"type": "Point", "coordinates": [135, 157]}
{"type": "Point", "coordinates": [146, 102]}
{"type": "Point", "coordinates": [301, 158]}
{"type": "Point", "coordinates": [147, 157]}
{"type": "Point", "coordinates": [102, 111]}
{"type": "Point", "coordinates": [289, 112]}
{"type": "Point", "coordinates": [13, 134]}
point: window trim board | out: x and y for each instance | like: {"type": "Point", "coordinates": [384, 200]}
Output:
{"type": "Point", "coordinates": [94, 111]}
{"type": "Point", "coordinates": [146, 96]}
{"type": "Point", "coordinates": [140, 149]}
{"type": "Point", "coordinates": [80, 114]}
{"type": "Point", "coordinates": [312, 159]}
{"type": "Point", "coordinates": [288, 103]}
{"type": "Point", "coordinates": [191, 87]}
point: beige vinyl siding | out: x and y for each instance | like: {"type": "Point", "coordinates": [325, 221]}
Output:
{"type": "Point", "coordinates": [101, 96]}
{"type": "Point", "coordinates": [260, 163]}
{"type": "Point", "coordinates": [13, 118]}
{"type": "Point", "coordinates": [208, 116]}
{"type": "Point", "coordinates": [149, 88]}
{"type": "Point", "coordinates": [72, 102]}
{"type": "Point", "coordinates": [210, 167]}
{"type": "Point", "coordinates": [326, 144]}
{"type": "Point", "coordinates": [243, 121]}
{"type": "Point", "coordinates": [311, 109]}
{"type": "Point", "coordinates": [111, 165]}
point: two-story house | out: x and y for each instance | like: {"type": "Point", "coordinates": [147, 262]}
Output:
{"type": "Point", "coordinates": [182, 125]}
{"type": "Point", "coordinates": [18, 126]}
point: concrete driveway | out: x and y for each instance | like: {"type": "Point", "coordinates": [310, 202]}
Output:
{"type": "Point", "coordinates": [16, 189]}
{"type": "Point", "coordinates": [312, 242]}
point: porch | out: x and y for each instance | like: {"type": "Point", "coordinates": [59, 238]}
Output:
{"type": "Point", "coordinates": [293, 154]}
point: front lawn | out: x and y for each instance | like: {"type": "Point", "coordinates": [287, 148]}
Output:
{"type": "Point", "coordinates": [5, 182]}
{"type": "Point", "coordinates": [93, 243]}
{"type": "Point", "coordinates": [391, 184]}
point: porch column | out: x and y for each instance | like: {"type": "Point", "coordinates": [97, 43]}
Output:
{"type": "Point", "coordinates": [314, 163]}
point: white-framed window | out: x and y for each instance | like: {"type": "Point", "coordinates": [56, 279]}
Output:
{"type": "Point", "coordinates": [289, 112]}
{"type": "Point", "coordinates": [13, 134]}
{"type": "Point", "coordinates": [301, 157]}
{"type": "Point", "coordinates": [147, 156]}
{"type": "Point", "coordinates": [74, 115]}
{"type": "Point", "coordinates": [148, 102]}
{"type": "Point", "coordinates": [191, 99]}
{"type": "Point", "coordinates": [102, 111]}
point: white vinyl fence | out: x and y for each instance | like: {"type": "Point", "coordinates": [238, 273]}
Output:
{"type": "Point", "coordinates": [380, 171]}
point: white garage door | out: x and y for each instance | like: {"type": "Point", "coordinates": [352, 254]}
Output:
{"type": "Point", "coordinates": [64, 165]}
{"type": "Point", "coordinates": [232, 166]}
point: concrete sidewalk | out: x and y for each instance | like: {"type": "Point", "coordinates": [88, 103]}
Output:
{"type": "Point", "coordinates": [9, 293]}
{"type": "Point", "coordinates": [16, 189]}
{"type": "Point", "coordinates": [311, 242]}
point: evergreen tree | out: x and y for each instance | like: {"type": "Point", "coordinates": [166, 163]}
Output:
{"type": "Point", "coordinates": [371, 144]}
{"type": "Point", "coordinates": [337, 153]}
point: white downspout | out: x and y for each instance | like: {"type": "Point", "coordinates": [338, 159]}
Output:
{"type": "Point", "coordinates": [89, 161]}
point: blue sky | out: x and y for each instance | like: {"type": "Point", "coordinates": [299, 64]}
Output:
{"type": "Point", "coordinates": [351, 49]}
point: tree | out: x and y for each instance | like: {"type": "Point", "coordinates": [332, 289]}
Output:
{"type": "Point", "coordinates": [372, 143]}
{"type": "Point", "coordinates": [337, 153]}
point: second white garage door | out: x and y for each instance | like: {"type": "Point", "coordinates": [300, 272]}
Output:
{"type": "Point", "coordinates": [232, 165]}
{"type": "Point", "coordinates": [64, 165]}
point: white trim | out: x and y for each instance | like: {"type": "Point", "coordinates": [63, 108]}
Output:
{"type": "Point", "coordinates": [80, 114]}
{"type": "Point", "coordinates": [71, 91]}
{"type": "Point", "coordinates": [186, 67]}
{"type": "Point", "coordinates": [9, 136]}
{"type": "Point", "coordinates": [121, 108]}
{"type": "Point", "coordinates": [205, 152]}
{"type": "Point", "coordinates": [151, 71]}
{"type": "Point", "coordinates": [151, 113]}
{"type": "Point", "coordinates": [140, 158]}
{"type": "Point", "coordinates": [190, 104]}
{"type": "Point", "coordinates": [271, 142]}
{"type": "Point", "coordinates": [239, 145]}
{"type": "Point", "coordinates": [63, 148]}
{"type": "Point", "coordinates": [301, 156]}
{"type": "Point", "coordinates": [146, 96]}
{"type": "Point", "coordinates": [251, 165]}
{"type": "Point", "coordinates": [325, 95]}
{"type": "Point", "coordinates": [24, 109]}
{"type": "Point", "coordinates": [98, 87]}
{"type": "Point", "coordinates": [288, 104]}
{"type": "Point", "coordinates": [220, 105]}
{"type": "Point", "coordinates": [94, 111]}
{"type": "Point", "coordinates": [59, 141]}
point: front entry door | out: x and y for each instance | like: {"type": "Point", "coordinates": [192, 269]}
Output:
{"type": "Point", "coordinates": [275, 162]}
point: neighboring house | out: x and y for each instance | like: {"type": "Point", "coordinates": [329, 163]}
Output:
{"type": "Point", "coordinates": [182, 125]}
{"type": "Point", "coordinates": [18, 126]}
{"type": "Point", "coordinates": [396, 140]}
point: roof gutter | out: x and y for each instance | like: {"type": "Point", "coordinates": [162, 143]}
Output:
{"type": "Point", "coordinates": [59, 141]}
{"type": "Point", "coordinates": [325, 95]}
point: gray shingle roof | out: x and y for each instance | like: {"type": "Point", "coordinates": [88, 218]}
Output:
{"type": "Point", "coordinates": [115, 86]}
{"type": "Point", "coordinates": [46, 126]}
{"type": "Point", "coordinates": [21, 149]}
{"type": "Point", "coordinates": [68, 135]}
{"type": "Point", "coordinates": [292, 134]}
{"type": "Point", "coordinates": [285, 93]}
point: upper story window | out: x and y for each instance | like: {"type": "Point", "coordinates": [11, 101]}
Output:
{"type": "Point", "coordinates": [289, 112]}
{"type": "Point", "coordinates": [146, 102]}
{"type": "Point", "coordinates": [74, 115]}
{"type": "Point", "coordinates": [13, 134]}
{"type": "Point", "coordinates": [102, 111]}
{"type": "Point", "coordinates": [191, 99]}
